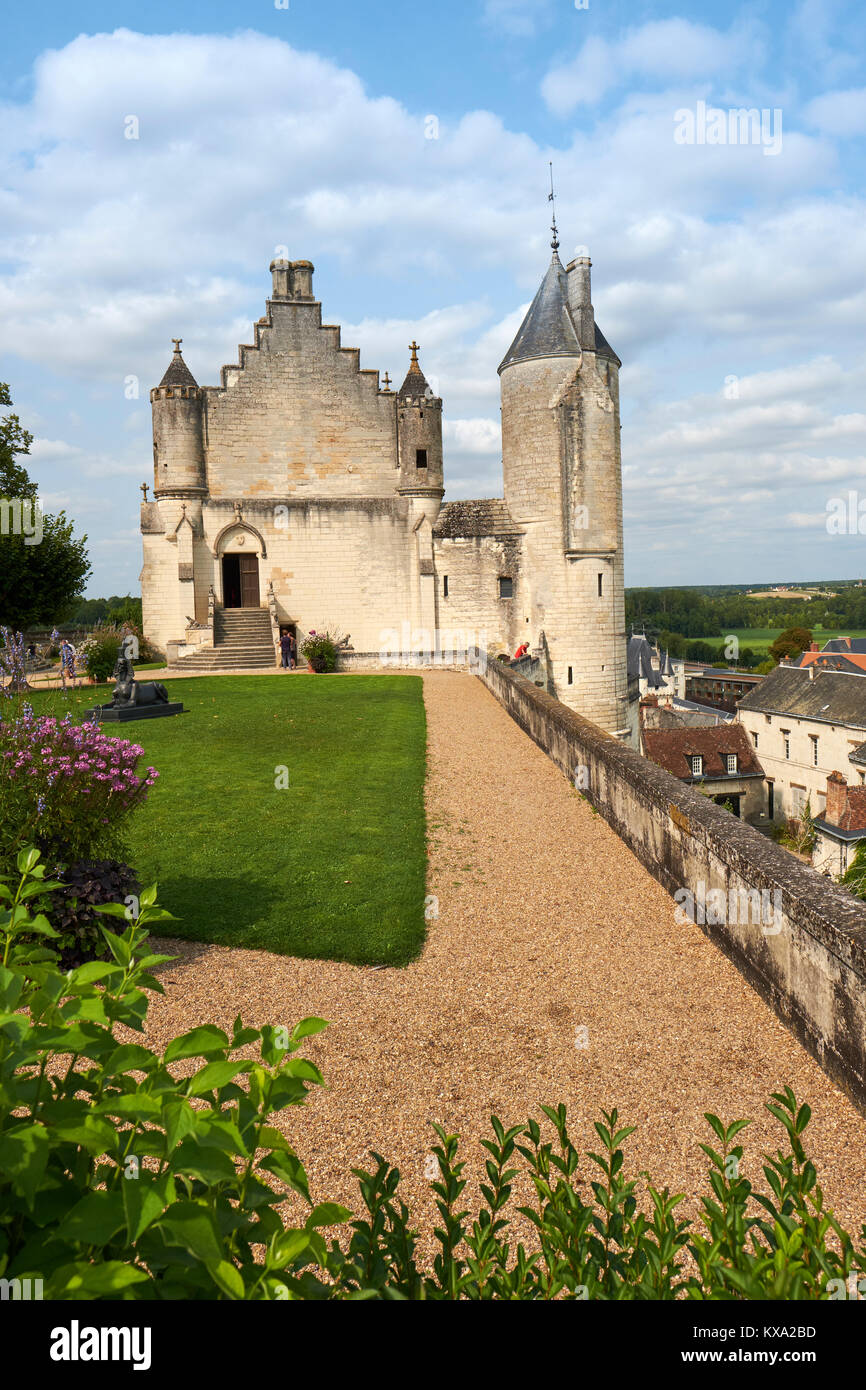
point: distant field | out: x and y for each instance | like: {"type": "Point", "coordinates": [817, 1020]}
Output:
{"type": "Point", "coordinates": [761, 638]}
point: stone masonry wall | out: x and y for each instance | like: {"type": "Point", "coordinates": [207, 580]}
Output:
{"type": "Point", "coordinates": [298, 416]}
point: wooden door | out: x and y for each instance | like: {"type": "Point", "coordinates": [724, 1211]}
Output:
{"type": "Point", "coordinates": [249, 581]}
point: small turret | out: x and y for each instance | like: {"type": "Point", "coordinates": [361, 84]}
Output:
{"type": "Point", "coordinates": [419, 434]}
{"type": "Point", "coordinates": [178, 452]}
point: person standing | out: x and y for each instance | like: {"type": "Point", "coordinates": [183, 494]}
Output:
{"type": "Point", "coordinates": [286, 644]}
{"type": "Point", "coordinates": [67, 663]}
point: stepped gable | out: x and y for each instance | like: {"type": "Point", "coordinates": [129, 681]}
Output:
{"type": "Point", "coordinates": [486, 516]}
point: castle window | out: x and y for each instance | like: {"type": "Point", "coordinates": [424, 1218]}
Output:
{"type": "Point", "coordinates": [697, 763]}
{"type": "Point", "coordinates": [786, 735]}
{"type": "Point", "coordinates": [755, 737]}
{"type": "Point", "coordinates": [506, 587]}
{"type": "Point", "coordinates": [570, 676]}
{"type": "Point", "coordinates": [600, 582]}
{"type": "Point", "coordinates": [814, 738]}
{"type": "Point", "coordinates": [420, 458]}
{"type": "Point", "coordinates": [445, 586]}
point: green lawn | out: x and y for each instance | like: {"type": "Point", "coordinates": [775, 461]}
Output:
{"type": "Point", "coordinates": [761, 638]}
{"type": "Point", "coordinates": [332, 866]}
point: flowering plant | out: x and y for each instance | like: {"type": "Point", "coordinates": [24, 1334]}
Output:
{"type": "Point", "coordinates": [66, 787]}
{"type": "Point", "coordinates": [12, 662]}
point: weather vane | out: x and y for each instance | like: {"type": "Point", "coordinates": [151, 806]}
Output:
{"type": "Point", "coordinates": [551, 198]}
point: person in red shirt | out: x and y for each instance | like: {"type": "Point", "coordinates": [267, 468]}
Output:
{"type": "Point", "coordinates": [521, 651]}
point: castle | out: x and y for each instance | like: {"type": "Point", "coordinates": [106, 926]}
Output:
{"type": "Point", "coordinates": [303, 492]}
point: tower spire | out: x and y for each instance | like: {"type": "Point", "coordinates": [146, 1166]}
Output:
{"type": "Point", "coordinates": [551, 198]}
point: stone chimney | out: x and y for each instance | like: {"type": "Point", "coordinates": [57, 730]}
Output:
{"type": "Point", "coordinates": [837, 799]}
{"type": "Point", "coordinates": [302, 279]}
{"type": "Point", "coordinates": [580, 298]}
{"type": "Point", "coordinates": [814, 647]}
{"type": "Point", "coordinates": [282, 278]}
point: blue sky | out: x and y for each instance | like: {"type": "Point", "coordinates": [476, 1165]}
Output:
{"type": "Point", "coordinates": [729, 279]}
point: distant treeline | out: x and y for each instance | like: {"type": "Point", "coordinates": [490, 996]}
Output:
{"type": "Point", "coordinates": [691, 613]}
{"type": "Point", "coordinates": [93, 612]}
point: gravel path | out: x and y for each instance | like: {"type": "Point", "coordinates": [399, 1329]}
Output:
{"type": "Point", "coordinates": [547, 926]}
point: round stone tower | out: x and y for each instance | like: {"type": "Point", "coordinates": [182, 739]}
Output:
{"type": "Point", "coordinates": [178, 450]}
{"type": "Point", "coordinates": [562, 478]}
{"type": "Point", "coordinates": [419, 440]}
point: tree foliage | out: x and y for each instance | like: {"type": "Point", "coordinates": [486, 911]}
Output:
{"type": "Point", "coordinates": [39, 583]}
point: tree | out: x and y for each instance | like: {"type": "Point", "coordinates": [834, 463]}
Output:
{"type": "Point", "coordinates": [792, 642]}
{"type": "Point", "coordinates": [43, 566]}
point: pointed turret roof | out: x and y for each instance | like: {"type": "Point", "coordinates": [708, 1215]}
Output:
{"type": "Point", "coordinates": [548, 329]}
{"type": "Point", "coordinates": [177, 372]}
{"type": "Point", "coordinates": [415, 382]}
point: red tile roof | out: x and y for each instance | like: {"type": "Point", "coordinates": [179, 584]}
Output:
{"type": "Point", "coordinates": [855, 816]}
{"type": "Point", "coordinates": [672, 749]}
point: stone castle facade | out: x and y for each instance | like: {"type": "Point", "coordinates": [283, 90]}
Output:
{"type": "Point", "coordinates": [304, 487]}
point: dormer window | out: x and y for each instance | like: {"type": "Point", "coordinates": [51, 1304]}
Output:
{"type": "Point", "coordinates": [697, 765]}
{"type": "Point", "coordinates": [731, 762]}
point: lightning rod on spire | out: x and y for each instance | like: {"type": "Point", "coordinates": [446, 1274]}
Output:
{"type": "Point", "coordinates": [551, 198]}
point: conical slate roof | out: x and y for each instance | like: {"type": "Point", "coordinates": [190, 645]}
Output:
{"type": "Point", "coordinates": [415, 382]}
{"type": "Point", "coordinates": [178, 373]}
{"type": "Point", "coordinates": [548, 329]}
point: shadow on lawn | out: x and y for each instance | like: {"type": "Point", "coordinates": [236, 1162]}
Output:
{"type": "Point", "coordinates": [220, 909]}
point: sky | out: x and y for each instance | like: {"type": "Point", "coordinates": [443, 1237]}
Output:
{"type": "Point", "coordinates": [154, 159]}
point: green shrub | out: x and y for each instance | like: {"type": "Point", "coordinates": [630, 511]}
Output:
{"type": "Point", "coordinates": [120, 1179]}
{"type": "Point", "coordinates": [72, 909]}
{"type": "Point", "coordinates": [117, 1178]}
{"type": "Point", "coordinates": [99, 650]}
{"type": "Point", "coordinates": [320, 650]}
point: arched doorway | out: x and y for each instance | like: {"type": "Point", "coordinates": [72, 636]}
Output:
{"type": "Point", "coordinates": [240, 574]}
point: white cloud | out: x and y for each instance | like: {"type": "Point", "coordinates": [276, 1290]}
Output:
{"type": "Point", "coordinates": [517, 18]}
{"type": "Point", "coordinates": [667, 50]}
{"type": "Point", "coordinates": [839, 113]}
{"type": "Point", "coordinates": [474, 436]}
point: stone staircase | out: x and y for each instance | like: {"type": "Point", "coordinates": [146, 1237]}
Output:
{"type": "Point", "coordinates": [242, 641]}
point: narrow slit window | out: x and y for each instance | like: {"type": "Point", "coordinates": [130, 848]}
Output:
{"type": "Point", "coordinates": [420, 458]}
{"type": "Point", "coordinates": [445, 586]}
{"type": "Point", "coordinates": [570, 676]}
{"type": "Point", "coordinates": [600, 585]}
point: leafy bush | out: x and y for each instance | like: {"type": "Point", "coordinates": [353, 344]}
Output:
{"type": "Point", "coordinates": [120, 1179]}
{"type": "Point", "coordinates": [72, 908]}
{"type": "Point", "coordinates": [854, 877]}
{"type": "Point", "coordinates": [68, 788]}
{"type": "Point", "coordinates": [117, 1177]}
{"type": "Point", "coordinates": [99, 652]}
{"type": "Point", "coordinates": [320, 650]}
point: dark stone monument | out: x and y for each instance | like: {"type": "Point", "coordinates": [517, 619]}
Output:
{"type": "Point", "coordinates": [132, 699]}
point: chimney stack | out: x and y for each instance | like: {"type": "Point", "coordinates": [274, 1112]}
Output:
{"type": "Point", "coordinates": [580, 298]}
{"type": "Point", "coordinates": [837, 799]}
{"type": "Point", "coordinates": [281, 271]}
